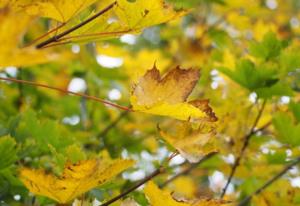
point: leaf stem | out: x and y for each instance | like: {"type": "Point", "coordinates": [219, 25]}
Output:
{"type": "Point", "coordinates": [57, 37]}
{"type": "Point", "coordinates": [66, 92]}
{"type": "Point", "coordinates": [244, 147]}
{"type": "Point", "coordinates": [45, 34]}
{"type": "Point", "coordinates": [270, 181]}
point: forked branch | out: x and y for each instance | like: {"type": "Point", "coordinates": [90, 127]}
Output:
{"type": "Point", "coordinates": [57, 37]}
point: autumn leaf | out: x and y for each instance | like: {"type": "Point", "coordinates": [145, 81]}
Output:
{"type": "Point", "coordinates": [159, 197]}
{"type": "Point", "coordinates": [192, 143]}
{"type": "Point", "coordinates": [124, 17]}
{"type": "Point", "coordinates": [10, 37]}
{"type": "Point", "coordinates": [60, 10]}
{"type": "Point", "coordinates": [76, 178]}
{"type": "Point", "coordinates": [167, 96]}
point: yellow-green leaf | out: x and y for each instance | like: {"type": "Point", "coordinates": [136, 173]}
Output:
{"type": "Point", "coordinates": [76, 178]}
{"type": "Point", "coordinates": [124, 17]}
{"type": "Point", "coordinates": [60, 10]}
{"type": "Point", "coordinates": [192, 143]}
{"type": "Point", "coordinates": [10, 37]}
{"type": "Point", "coordinates": [159, 197]}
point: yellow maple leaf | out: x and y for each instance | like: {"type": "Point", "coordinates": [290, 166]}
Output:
{"type": "Point", "coordinates": [159, 197]}
{"type": "Point", "coordinates": [124, 17]}
{"type": "Point", "coordinates": [10, 36]}
{"type": "Point", "coordinates": [185, 186]}
{"type": "Point", "coordinates": [191, 143]}
{"type": "Point", "coordinates": [75, 180]}
{"type": "Point", "coordinates": [167, 95]}
{"type": "Point", "coordinates": [60, 10]}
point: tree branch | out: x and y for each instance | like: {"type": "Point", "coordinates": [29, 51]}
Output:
{"type": "Point", "coordinates": [66, 92]}
{"type": "Point", "coordinates": [188, 169]}
{"type": "Point", "coordinates": [112, 124]}
{"type": "Point", "coordinates": [158, 171]}
{"type": "Point", "coordinates": [143, 181]}
{"type": "Point", "coordinates": [245, 145]}
{"type": "Point", "coordinates": [56, 38]}
{"type": "Point", "coordinates": [270, 181]}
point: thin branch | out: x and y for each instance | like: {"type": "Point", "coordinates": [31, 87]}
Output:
{"type": "Point", "coordinates": [56, 38]}
{"type": "Point", "coordinates": [188, 169]}
{"type": "Point", "coordinates": [143, 181]}
{"type": "Point", "coordinates": [66, 92]}
{"type": "Point", "coordinates": [45, 34]}
{"type": "Point", "coordinates": [112, 124]}
{"type": "Point", "coordinates": [92, 35]}
{"type": "Point", "coordinates": [245, 145]}
{"type": "Point", "coordinates": [158, 171]}
{"type": "Point", "coordinates": [270, 181]}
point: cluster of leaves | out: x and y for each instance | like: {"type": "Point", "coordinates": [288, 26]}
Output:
{"type": "Point", "coordinates": [241, 117]}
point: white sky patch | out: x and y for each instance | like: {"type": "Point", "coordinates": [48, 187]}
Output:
{"type": "Point", "coordinates": [214, 72]}
{"type": "Point", "coordinates": [96, 202]}
{"type": "Point", "coordinates": [288, 152]}
{"type": "Point", "coordinates": [128, 39]}
{"type": "Point", "coordinates": [217, 182]}
{"type": "Point", "coordinates": [190, 32]}
{"type": "Point", "coordinates": [295, 182]}
{"type": "Point", "coordinates": [216, 79]}
{"type": "Point", "coordinates": [134, 176]}
{"type": "Point", "coordinates": [114, 94]}
{"type": "Point", "coordinates": [294, 22]}
{"type": "Point", "coordinates": [73, 120]}
{"type": "Point", "coordinates": [11, 71]}
{"type": "Point", "coordinates": [112, 20]}
{"type": "Point", "coordinates": [75, 48]}
{"type": "Point", "coordinates": [271, 4]}
{"type": "Point", "coordinates": [214, 85]}
{"type": "Point", "coordinates": [229, 159]}
{"type": "Point", "coordinates": [17, 197]}
{"type": "Point", "coordinates": [294, 171]}
{"type": "Point", "coordinates": [265, 150]}
{"type": "Point", "coordinates": [4, 76]}
{"type": "Point", "coordinates": [284, 100]}
{"type": "Point", "coordinates": [253, 97]}
{"type": "Point", "coordinates": [108, 61]}
{"type": "Point", "coordinates": [77, 85]}
{"type": "Point", "coordinates": [177, 160]}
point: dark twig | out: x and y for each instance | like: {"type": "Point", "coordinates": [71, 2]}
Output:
{"type": "Point", "coordinates": [158, 171]}
{"type": "Point", "coordinates": [47, 33]}
{"type": "Point", "coordinates": [66, 92]}
{"type": "Point", "coordinates": [270, 181]}
{"type": "Point", "coordinates": [245, 145]}
{"type": "Point", "coordinates": [188, 169]}
{"type": "Point", "coordinates": [112, 124]}
{"type": "Point", "coordinates": [56, 38]}
{"type": "Point", "coordinates": [143, 181]}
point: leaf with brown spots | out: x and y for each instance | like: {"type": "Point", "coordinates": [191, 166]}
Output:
{"type": "Point", "coordinates": [168, 95]}
{"type": "Point", "coordinates": [75, 180]}
{"type": "Point", "coordinates": [192, 142]}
